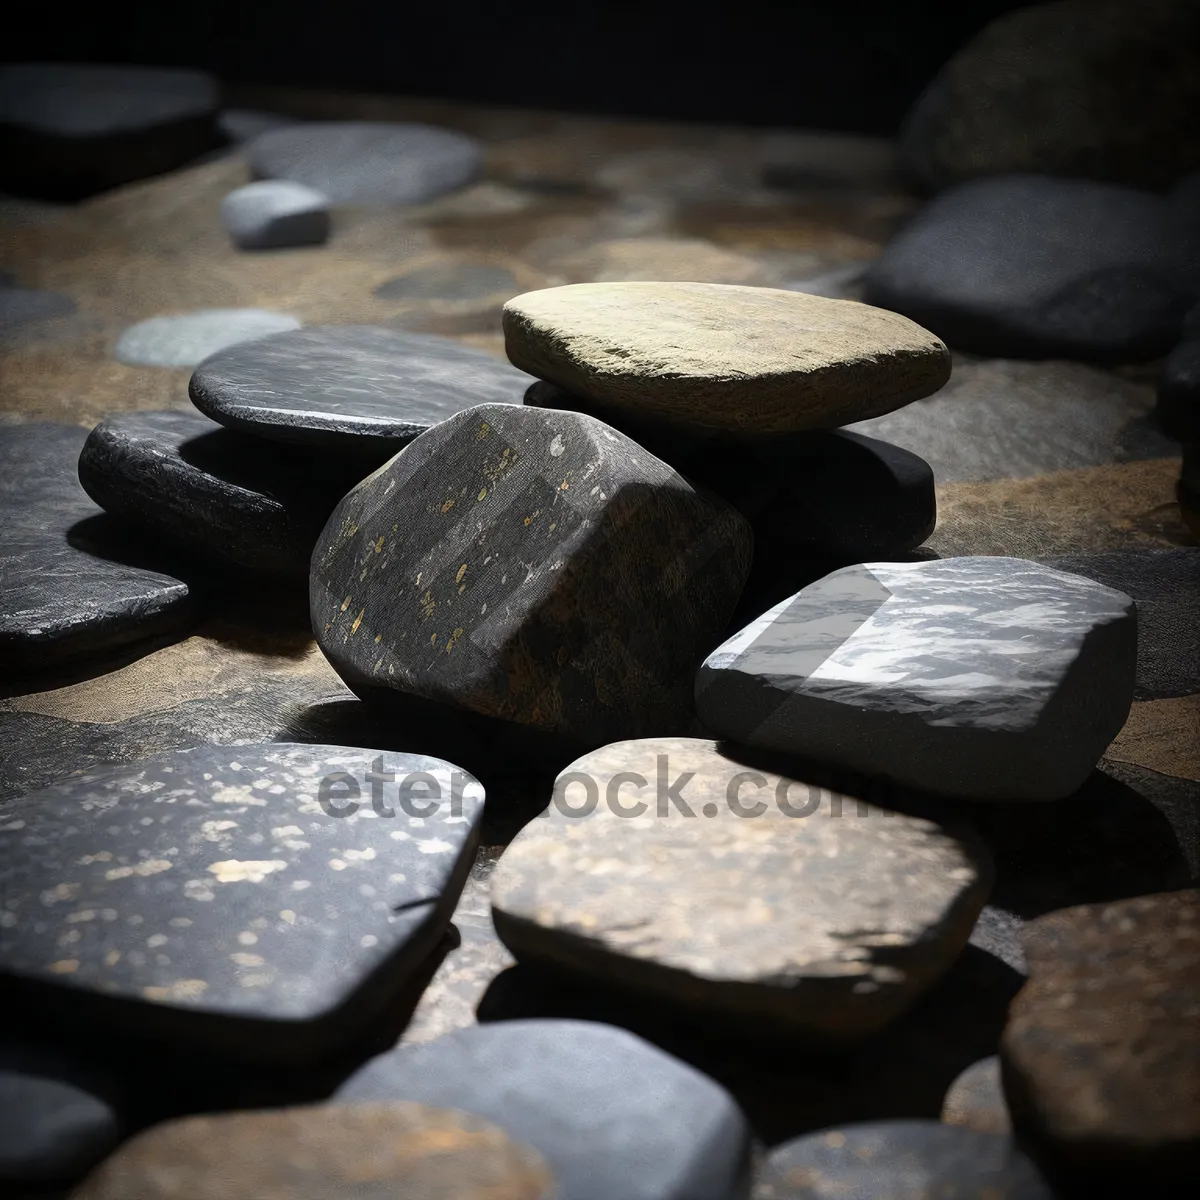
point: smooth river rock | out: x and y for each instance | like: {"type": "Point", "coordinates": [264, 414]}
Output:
{"type": "Point", "coordinates": [185, 339]}
{"type": "Point", "coordinates": [975, 1100]}
{"type": "Point", "coordinates": [275, 213]}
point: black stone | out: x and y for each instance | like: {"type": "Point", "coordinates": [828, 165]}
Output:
{"type": "Point", "coordinates": [900, 1160]}
{"type": "Point", "coordinates": [613, 1115]}
{"type": "Point", "coordinates": [350, 388]}
{"type": "Point", "coordinates": [68, 588]}
{"type": "Point", "coordinates": [232, 498]}
{"type": "Point", "coordinates": [232, 897]}
{"type": "Point", "coordinates": [1179, 389]}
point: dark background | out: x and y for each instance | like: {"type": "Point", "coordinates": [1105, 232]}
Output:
{"type": "Point", "coordinates": [833, 65]}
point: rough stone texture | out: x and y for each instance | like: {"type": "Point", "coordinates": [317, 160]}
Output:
{"type": "Point", "coordinates": [899, 1160]}
{"type": "Point", "coordinates": [350, 388]}
{"type": "Point", "coordinates": [185, 339]}
{"type": "Point", "coordinates": [976, 1099]}
{"type": "Point", "coordinates": [533, 565]}
{"type": "Point", "coordinates": [1025, 266]}
{"type": "Point", "coordinates": [1102, 1050]}
{"type": "Point", "coordinates": [779, 906]}
{"type": "Point", "coordinates": [723, 357]}
{"type": "Point", "coordinates": [70, 129]}
{"type": "Point", "coordinates": [232, 498]}
{"type": "Point", "coordinates": [985, 678]}
{"type": "Point", "coordinates": [69, 584]}
{"type": "Point", "coordinates": [358, 162]}
{"type": "Point", "coordinates": [368, 1151]}
{"type": "Point", "coordinates": [1062, 89]}
{"type": "Point", "coordinates": [275, 213]}
{"type": "Point", "coordinates": [212, 898]}
{"type": "Point", "coordinates": [612, 1115]}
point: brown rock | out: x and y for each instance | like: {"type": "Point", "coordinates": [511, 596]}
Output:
{"type": "Point", "coordinates": [976, 1099]}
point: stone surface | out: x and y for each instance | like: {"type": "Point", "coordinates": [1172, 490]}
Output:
{"type": "Point", "coordinates": [532, 565]}
{"type": "Point", "coordinates": [451, 282]}
{"type": "Point", "coordinates": [976, 1099]}
{"type": "Point", "coordinates": [1025, 266]}
{"type": "Point", "coordinates": [1062, 89]}
{"type": "Point", "coordinates": [24, 306]}
{"type": "Point", "coordinates": [612, 1115]}
{"type": "Point", "coordinates": [70, 129]}
{"type": "Point", "coordinates": [778, 907]}
{"type": "Point", "coordinates": [245, 124]}
{"type": "Point", "coordinates": [1102, 1049]}
{"type": "Point", "coordinates": [238, 897]}
{"type": "Point", "coordinates": [275, 213]}
{"type": "Point", "coordinates": [185, 339]}
{"type": "Point", "coordinates": [723, 357]}
{"type": "Point", "coordinates": [367, 1151]}
{"type": "Point", "coordinates": [69, 585]}
{"type": "Point", "coordinates": [1179, 389]}
{"type": "Point", "coordinates": [985, 678]}
{"type": "Point", "coordinates": [366, 163]}
{"type": "Point", "coordinates": [350, 388]}
{"type": "Point", "coordinates": [899, 1160]}
{"type": "Point", "coordinates": [233, 498]}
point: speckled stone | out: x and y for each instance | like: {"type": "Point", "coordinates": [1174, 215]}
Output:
{"type": "Point", "coordinates": [232, 498]}
{"type": "Point", "coordinates": [211, 897]}
{"type": "Point", "coordinates": [743, 895]}
{"type": "Point", "coordinates": [976, 1101]}
{"type": "Point", "coordinates": [66, 589]}
{"type": "Point", "coordinates": [613, 1115]}
{"type": "Point", "coordinates": [367, 163]}
{"type": "Point", "coordinates": [532, 565]}
{"type": "Point", "coordinates": [275, 213]}
{"type": "Point", "coordinates": [350, 388]}
{"type": "Point", "coordinates": [185, 339]}
{"type": "Point", "coordinates": [899, 1160]}
{"type": "Point", "coordinates": [985, 678]}
{"type": "Point", "coordinates": [723, 357]}
{"type": "Point", "coordinates": [366, 1151]}
{"type": "Point", "coordinates": [1102, 1049]}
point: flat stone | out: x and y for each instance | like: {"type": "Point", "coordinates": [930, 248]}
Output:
{"type": "Point", "coordinates": [983, 678]}
{"type": "Point", "coordinates": [1102, 1049]}
{"type": "Point", "coordinates": [70, 129]}
{"type": "Point", "coordinates": [56, 1125]}
{"type": "Point", "coordinates": [275, 213]}
{"type": "Point", "coordinates": [239, 897]}
{"type": "Point", "coordinates": [367, 163]}
{"type": "Point", "coordinates": [723, 357]}
{"type": "Point", "coordinates": [23, 306]}
{"type": "Point", "coordinates": [451, 282]}
{"type": "Point", "coordinates": [613, 1115]}
{"type": "Point", "coordinates": [232, 498]}
{"type": "Point", "coordinates": [532, 565]}
{"type": "Point", "coordinates": [351, 388]}
{"type": "Point", "coordinates": [185, 339]}
{"type": "Point", "coordinates": [68, 588]}
{"type": "Point", "coordinates": [372, 1151]}
{"type": "Point", "coordinates": [976, 1099]}
{"type": "Point", "coordinates": [749, 914]}
{"type": "Point", "coordinates": [899, 1160]}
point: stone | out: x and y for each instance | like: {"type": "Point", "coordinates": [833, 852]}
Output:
{"type": "Point", "coordinates": [825, 492]}
{"type": "Point", "coordinates": [976, 1099]}
{"type": "Point", "coordinates": [232, 498]}
{"type": "Point", "coordinates": [1187, 491]}
{"type": "Point", "coordinates": [1178, 408]}
{"type": "Point", "coordinates": [531, 565]}
{"type": "Point", "coordinates": [899, 1160]}
{"type": "Point", "coordinates": [1102, 1049]}
{"type": "Point", "coordinates": [1062, 89]}
{"type": "Point", "coordinates": [840, 283]}
{"type": "Point", "coordinates": [57, 1124]}
{"type": "Point", "coordinates": [67, 588]}
{"type": "Point", "coordinates": [70, 129]}
{"type": "Point", "coordinates": [722, 357]}
{"type": "Point", "coordinates": [747, 916]}
{"type": "Point", "coordinates": [370, 1151]}
{"type": "Point", "coordinates": [611, 1114]}
{"type": "Point", "coordinates": [274, 213]}
{"type": "Point", "coordinates": [455, 282]}
{"type": "Point", "coordinates": [368, 163]}
{"type": "Point", "coordinates": [253, 899]}
{"type": "Point", "coordinates": [1024, 266]}
{"type": "Point", "coordinates": [350, 388]}
{"type": "Point", "coordinates": [24, 306]}
{"type": "Point", "coordinates": [244, 124]}
{"type": "Point", "coordinates": [980, 678]}
{"type": "Point", "coordinates": [185, 339]}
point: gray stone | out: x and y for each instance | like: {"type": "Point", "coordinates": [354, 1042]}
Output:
{"type": "Point", "coordinates": [245, 124]}
{"type": "Point", "coordinates": [273, 214]}
{"type": "Point", "coordinates": [185, 339]}
{"type": "Point", "coordinates": [360, 162]}
{"type": "Point", "coordinates": [613, 1115]}
{"type": "Point", "coordinates": [976, 1099]}
{"type": "Point", "coordinates": [451, 281]}
{"type": "Point", "coordinates": [23, 306]}
{"type": "Point", "coordinates": [985, 678]}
